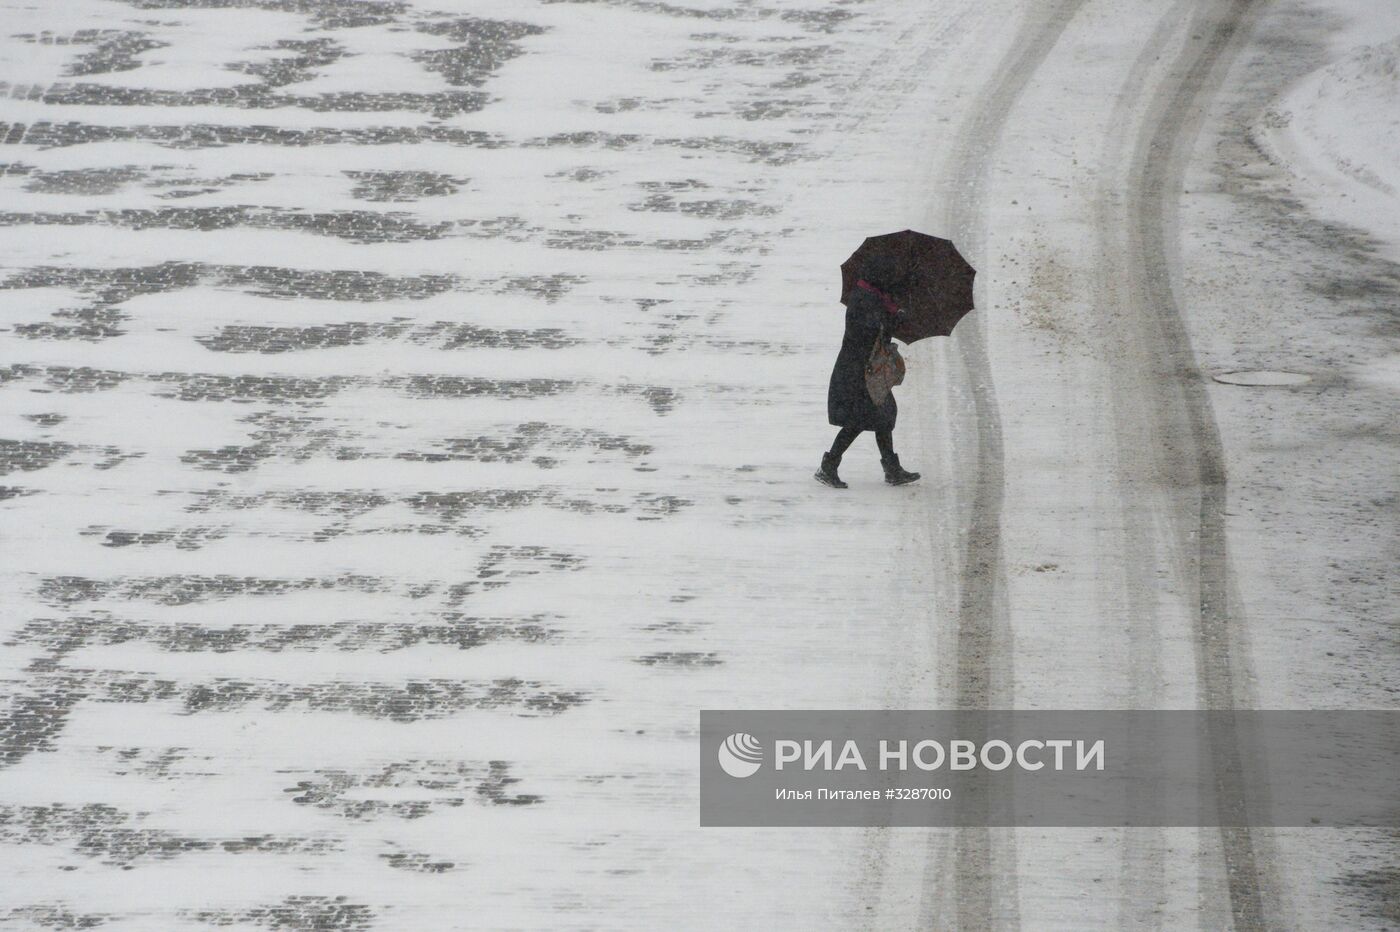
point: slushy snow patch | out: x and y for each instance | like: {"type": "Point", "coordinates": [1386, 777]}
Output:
{"type": "Point", "coordinates": [1338, 130]}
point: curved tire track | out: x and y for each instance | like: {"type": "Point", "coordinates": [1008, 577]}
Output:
{"type": "Point", "coordinates": [1186, 452]}
{"type": "Point", "coordinates": [1172, 389]}
{"type": "Point", "coordinates": [984, 865]}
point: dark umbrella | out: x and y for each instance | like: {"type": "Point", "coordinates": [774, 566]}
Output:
{"type": "Point", "coordinates": [925, 274]}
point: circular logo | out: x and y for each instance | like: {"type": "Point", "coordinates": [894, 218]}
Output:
{"type": "Point", "coordinates": [741, 755]}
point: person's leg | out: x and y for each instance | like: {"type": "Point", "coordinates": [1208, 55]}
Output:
{"type": "Point", "coordinates": [844, 438]}
{"type": "Point", "coordinates": [832, 459]}
{"type": "Point", "coordinates": [884, 439]}
{"type": "Point", "coordinates": [895, 474]}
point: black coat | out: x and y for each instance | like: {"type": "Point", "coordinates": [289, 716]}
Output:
{"type": "Point", "coordinates": [848, 403]}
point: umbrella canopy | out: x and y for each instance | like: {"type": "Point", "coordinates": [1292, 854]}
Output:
{"type": "Point", "coordinates": [931, 280]}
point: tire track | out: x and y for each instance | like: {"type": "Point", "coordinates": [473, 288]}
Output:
{"type": "Point", "coordinates": [984, 866]}
{"type": "Point", "coordinates": [1142, 859]}
{"type": "Point", "coordinates": [882, 89]}
{"type": "Point", "coordinates": [1185, 454]}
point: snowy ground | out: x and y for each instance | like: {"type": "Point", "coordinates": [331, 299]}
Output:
{"type": "Point", "coordinates": [409, 411]}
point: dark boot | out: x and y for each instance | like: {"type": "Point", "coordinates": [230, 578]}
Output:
{"type": "Point", "coordinates": [896, 474]}
{"type": "Point", "coordinates": [827, 474]}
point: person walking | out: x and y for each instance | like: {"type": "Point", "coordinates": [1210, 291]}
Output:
{"type": "Point", "coordinates": [871, 315]}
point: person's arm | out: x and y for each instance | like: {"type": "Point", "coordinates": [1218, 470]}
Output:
{"type": "Point", "coordinates": [890, 322]}
{"type": "Point", "coordinates": [871, 310]}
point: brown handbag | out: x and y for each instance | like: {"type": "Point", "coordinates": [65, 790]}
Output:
{"type": "Point", "coordinates": [883, 370]}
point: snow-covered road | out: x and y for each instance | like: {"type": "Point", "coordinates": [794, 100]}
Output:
{"type": "Point", "coordinates": [409, 411]}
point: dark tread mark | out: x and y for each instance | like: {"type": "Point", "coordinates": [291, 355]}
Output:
{"type": "Point", "coordinates": [983, 891]}
{"type": "Point", "coordinates": [1161, 160]}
